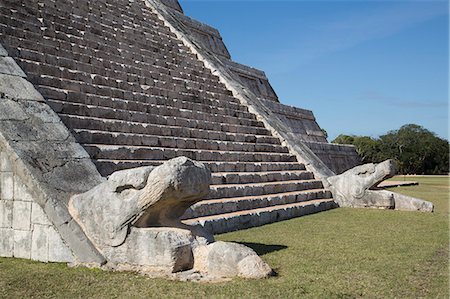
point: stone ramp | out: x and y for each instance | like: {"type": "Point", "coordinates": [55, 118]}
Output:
{"type": "Point", "coordinates": [133, 94]}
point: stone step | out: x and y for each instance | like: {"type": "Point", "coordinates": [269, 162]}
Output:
{"type": "Point", "coordinates": [119, 126]}
{"type": "Point", "coordinates": [218, 115]}
{"type": "Point", "coordinates": [223, 223]}
{"type": "Point", "coordinates": [255, 189]}
{"type": "Point", "coordinates": [229, 205]}
{"type": "Point", "coordinates": [220, 178]}
{"type": "Point", "coordinates": [106, 166]}
{"type": "Point", "coordinates": [154, 104]}
{"type": "Point", "coordinates": [76, 76]}
{"type": "Point", "coordinates": [135, 56]}
{"type": "Point", "coordinates": [108, 138]}
{"type": "Point", "coordinates": [62, 107]}
{"type": "Point", "coordinates": [101, 151]}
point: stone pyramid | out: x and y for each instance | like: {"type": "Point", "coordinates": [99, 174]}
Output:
{"type": "Point", "coordinates": [91, 87]}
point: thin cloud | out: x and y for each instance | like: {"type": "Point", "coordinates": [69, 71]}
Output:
{"type": "Point", "coordinates": [349, 30]}
{"type": "Point", "coordinates": [377, 97]}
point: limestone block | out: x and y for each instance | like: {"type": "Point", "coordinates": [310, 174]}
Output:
{"type": "Point", "coordinates": [352, 189]}
{"type": "Point", "coordinates": [5, 164]}
{"type": "Point", "coordinates": [6, 185]}
{"type": "Point", "coordinates": [6, 213]}
{"type": "Point", "coordinates": [227, 259]}
{"type": "Point", "coordinates": [407, 203]}
{"type": "Point", "coordinates": [21, 215]}
{"type": "Point", "coordinates": [11, 110]}
{"type": "Point", "coordinates": [22, 244]}
{"type": "Point", "coordinates": [6, 242]}
{"type": "Point", "coordinates": [9, 66]}
{"type": "Point", "coordinates": [162, 249]}
{"type": "Point", "coordinates": [141, 197]}
{"type": "Point", "coordinates": [20, 190]}
{"type": "Point", "coordinates": [3, 51]}
{"type": "Point", "coordinates": [38, 215]}
{"type": "Point", "coordinates": [57, 249]}
{"type": "Point", "coordinates": [39, 243]}
{"type": "Point", "coordinates": [18, 88]}
{"type": "Point", "coordinates": [40, 111]}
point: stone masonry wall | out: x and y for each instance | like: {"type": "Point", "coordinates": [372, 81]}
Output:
{"type": "Point", "coordinates": [337, 157]}
{"type": "Point", "coordinates": [304, 127]}
{"type": "Point", "coordinates": [301, 122]}
{"type": "Point", "coordinates": [25, 231]}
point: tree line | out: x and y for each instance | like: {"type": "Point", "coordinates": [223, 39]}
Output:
{"type": "Point", "coordinates": [416, 149]}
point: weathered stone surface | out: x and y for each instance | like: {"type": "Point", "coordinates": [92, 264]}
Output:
{"type": "Point", "coordinates": [6, 242]}
{"type": "Point", "coordinates": [165, 250]}
{"type": "Point", "coordinates": [227, 259]}
{"type": "Point", "coordinates": [22, 215]}
{"type": "Point", "coordinates": [22, 244]}
{"type": "Point", "coordinates": [47, 159]}
{"type": "Point", "coordinates": [39, 243]}
{"type": "Point", "coordinates": [134, 220]}
{"type": "Point", "coordinates": [351, 189]}
{"type": "Point", "coordinates": [3, 51]}
{"type": "Point", "coordinates": [9, 67]}
{"type": "Point", "coordinates": [140, 197]}
{"type": "Point", "coordinates": [11, 110]}
{"type": "Point", "coordinates": [38, 215]}
{"type": "Point", "coordinates": [6, 213]}
{"type": "Point", "coordinates": [57, 249]}
{"type": "Point", "coordinates": [408, 203]}
{"type": "Point", "coordinates": [5, 165]}
{"type": "Point", "coordinates": [15, 87]}
{"type": "Point", "coordinates": [20, 190]}
{"type": "Point", "coordinates": [6, 185]}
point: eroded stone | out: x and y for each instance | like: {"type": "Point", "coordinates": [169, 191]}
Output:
{"type": "Point", "coordinates": [133, 218]}
{"type": "Point", "coordinates": [352, 189]}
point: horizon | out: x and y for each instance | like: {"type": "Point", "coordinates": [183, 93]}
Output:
{"type": "Point", "coordinates": [363, 68]}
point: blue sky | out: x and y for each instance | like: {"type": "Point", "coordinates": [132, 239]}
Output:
{"type": "Point", "coordinates": [362, 67]}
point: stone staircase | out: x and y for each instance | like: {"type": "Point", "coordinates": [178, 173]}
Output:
{"type": "Point", "coordinates": [134, 95]}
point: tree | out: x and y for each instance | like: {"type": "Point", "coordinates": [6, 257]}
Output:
{"type": "Point", "coordinates": [416, 149]}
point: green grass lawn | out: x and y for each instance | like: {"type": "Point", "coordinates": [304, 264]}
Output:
{"type": "Point", "coordinates": [342, 253]}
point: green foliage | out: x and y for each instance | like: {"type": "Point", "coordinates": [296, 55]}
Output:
{"type": "Point", "coordinates": [416, 149]}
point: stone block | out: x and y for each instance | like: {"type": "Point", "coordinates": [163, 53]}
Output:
{"type": "Point", "coordinates": [167, 249]}
{"type": "Point", "coordinates": [3, 51]}
{"type": "Point", "coordinates": [57, 249]}
{"type": "Point", "coordinates": [38, 215]}
{"type": "Point", "coordinates": [18, 88]}
{"type": "Point", "coordinates": [5, 163]}
{"type": "Point", "coordinates": [22, 243]}
{"type": "Point", "coordinates": [6, 213]}
{"type": "Point", "coordinates": [6, 242]}
{"type": "Point", "coordinates": [9, 66]}
{"type": "Point", "coordinates": [39, 243]}
{"type": "Point", "coordinates": [20, 190]}
{"type": "Point", "coordinates": [6, 185]}
{"type": "Point", "coordinates": [21, 215]}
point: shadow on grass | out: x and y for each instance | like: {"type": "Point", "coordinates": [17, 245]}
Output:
{"type": "Point", "coordinates": [262, 249]}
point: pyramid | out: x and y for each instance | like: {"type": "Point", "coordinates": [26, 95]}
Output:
{"type": "Point", "coordinates": [92, 87]}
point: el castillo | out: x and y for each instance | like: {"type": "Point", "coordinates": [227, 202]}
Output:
{"type": "Point", "coordinates": [131, 143]}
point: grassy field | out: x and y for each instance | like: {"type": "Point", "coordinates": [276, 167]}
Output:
{"type": "Point", "coordinates": [342, 253]}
